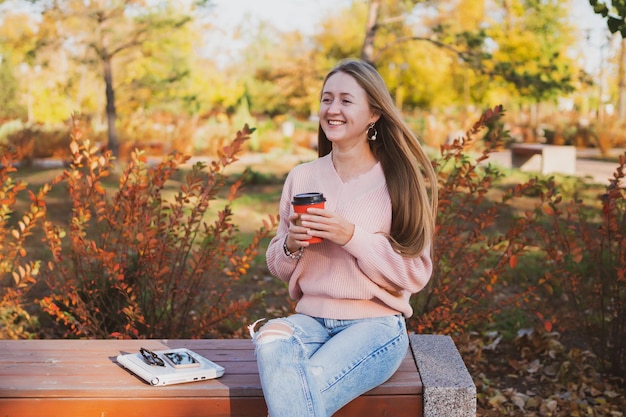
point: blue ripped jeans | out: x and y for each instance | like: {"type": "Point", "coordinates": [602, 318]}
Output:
{"type": "Point", "coordinates": [312, 366]}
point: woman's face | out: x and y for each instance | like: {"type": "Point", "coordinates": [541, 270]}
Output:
{"type": "Point", "coordinates": [345, 112]}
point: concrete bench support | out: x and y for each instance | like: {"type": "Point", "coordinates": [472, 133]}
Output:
{"type": "Point", "coordinates": [448, 388]}
{"type": "Point", "coordinates": [542, 158]}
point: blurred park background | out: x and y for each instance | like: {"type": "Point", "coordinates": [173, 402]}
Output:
{"type": "Point", "coordinates": [135, 203]}
{"type": "Point", "coordinates": [160, 74]}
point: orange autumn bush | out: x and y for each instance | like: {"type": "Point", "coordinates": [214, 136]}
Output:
{"type": "Point", "coordinates": [17, 274]}
{"type": "Point", "coordinates": [133, 263]}
{"type": "Point", "coordinates": [474, 246]}
{"type": "Point", "coordinates": [486, 249]}
{"type": "Point", "coordinates": [585, 258]}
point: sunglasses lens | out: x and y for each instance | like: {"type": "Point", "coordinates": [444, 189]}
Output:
{"type": "Point", "coordinates": [151, 358]}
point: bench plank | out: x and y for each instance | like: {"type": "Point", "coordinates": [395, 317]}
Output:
{"type": "Point", "coordinates": [82, 378]}
{"type": "Point", "coordinates": [223, 407]}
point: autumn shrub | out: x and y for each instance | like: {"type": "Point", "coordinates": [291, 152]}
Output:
{"type": "Point", "coordinates": [585, 258]}
{"type": "Point", "coordinates": [159, 133]}
{"type": "Point", "coordinates": [136, 263]}
{"type": "Point", "coordinates": [473, 250]}
{"type": "Point", "coordinates": [17, 274]}
{"type": "Point", "coordinates": [36, 141]}
{"type": "Point", "coordinates": [215, 127]}
{"type": "Point", "coordinates": [8, 127]}
{"type": "Point", "coordinates": [572, 255]}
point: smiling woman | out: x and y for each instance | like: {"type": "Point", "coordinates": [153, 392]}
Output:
{"type": "Point", "coordinates": [352, 288]}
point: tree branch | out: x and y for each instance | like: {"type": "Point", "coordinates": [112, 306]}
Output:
{"type": "Point", "coordinates": [435, 42]}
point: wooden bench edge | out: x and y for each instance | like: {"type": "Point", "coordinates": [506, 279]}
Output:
{"type": "Point", "coordinates": [448, 388]}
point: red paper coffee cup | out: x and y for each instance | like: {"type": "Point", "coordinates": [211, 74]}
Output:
{"type": "Point", "coordinates": [301, 202]}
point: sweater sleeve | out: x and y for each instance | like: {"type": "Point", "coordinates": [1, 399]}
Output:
{"type": "Point", "coordinates": [386, 267]}
{"type": "Point", "coordinates": [279, 264]}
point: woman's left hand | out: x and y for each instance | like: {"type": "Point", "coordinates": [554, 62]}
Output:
{"type": "Point", "coordinates": [327, 225]}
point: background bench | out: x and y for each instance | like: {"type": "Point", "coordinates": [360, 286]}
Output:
{"type": "Point", "coordinates": [544, 158]}
{"type": "Point", "coordinates": [81, 378]}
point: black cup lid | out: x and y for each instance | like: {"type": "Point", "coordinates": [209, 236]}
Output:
{"type": "Point", "coordinates": [308, 198]}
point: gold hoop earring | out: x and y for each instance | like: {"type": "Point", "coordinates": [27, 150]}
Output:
{"type": "Point", "coordinates": [372, 135]}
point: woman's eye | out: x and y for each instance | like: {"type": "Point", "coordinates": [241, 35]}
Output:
{"type": "Point", "coordinates": [346, 101]}
{"type": "Point", "coordinates": [326, 100]}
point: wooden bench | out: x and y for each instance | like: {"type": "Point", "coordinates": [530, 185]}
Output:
{"type": "Point", "coordinates": [82, 378]}
{"type": "Point", "coordinates": [544, 158]}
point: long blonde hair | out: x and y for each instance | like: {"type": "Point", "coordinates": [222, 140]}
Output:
{"type": "Point", "coordinates": [406, 166]}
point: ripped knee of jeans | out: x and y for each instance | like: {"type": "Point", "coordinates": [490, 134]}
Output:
{"type": "Point", "coordinates": [273, 331]}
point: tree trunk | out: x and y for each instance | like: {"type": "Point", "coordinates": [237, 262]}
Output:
{"type": "Point", "coordinates": [621, 104]}
{"type": "Point", "coordinates": [110, 108]}
{"type": "Point", "coordinates": [367, 52]}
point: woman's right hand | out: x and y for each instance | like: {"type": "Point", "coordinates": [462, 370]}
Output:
{"type": "Point", "coordinates": [297, 236]}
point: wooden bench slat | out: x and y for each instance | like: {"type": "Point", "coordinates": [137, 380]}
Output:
{"type": "Point", "coordinates": [112, 345]}
{"type": "Point", "coordinates": [395, 405]}
{"type": "Point", "coordinates": [527, 149]}
{"type": "Point", "coordinates": [140, 407]}
{"type": "Point", "coordinates": [97, 385]}
{"type": "Point", "coordinates": [82, 366]}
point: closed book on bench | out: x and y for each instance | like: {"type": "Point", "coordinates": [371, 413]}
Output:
{"type": "Point", "coordinates": [171, 366]}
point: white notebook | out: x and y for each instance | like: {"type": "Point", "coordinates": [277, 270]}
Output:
{"type": "Point", "coordinates": [172, 366]}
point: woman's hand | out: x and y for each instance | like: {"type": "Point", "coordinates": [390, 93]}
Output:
{"type": "Point", "coordinates": [297, 236]}
{"type": "Point", "coordinates": [325, 224]}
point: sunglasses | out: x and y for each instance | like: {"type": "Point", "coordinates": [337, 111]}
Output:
{"type": "Point", "coordinates": [151, 358]}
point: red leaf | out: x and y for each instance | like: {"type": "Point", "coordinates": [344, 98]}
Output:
{"type": "Point", "coordinates": [547, 325]}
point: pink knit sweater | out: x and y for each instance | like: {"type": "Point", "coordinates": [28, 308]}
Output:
{"type": "Point", "coordinates": [365, 277]}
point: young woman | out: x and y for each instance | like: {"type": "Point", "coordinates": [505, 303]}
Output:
{"type": "Point", "coordinates": [353, 288]}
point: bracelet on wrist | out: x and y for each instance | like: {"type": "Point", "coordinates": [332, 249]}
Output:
{"type": "Point", "coordinates": [293, 255]}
